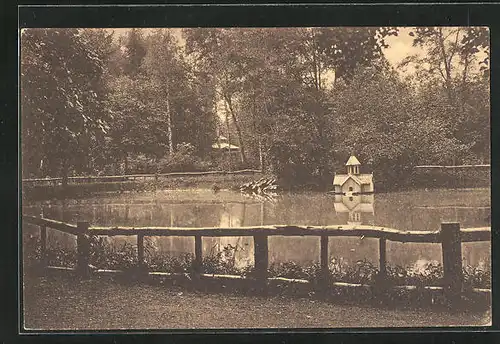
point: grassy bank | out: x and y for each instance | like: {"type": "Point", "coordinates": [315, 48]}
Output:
{"type": "Point", "coordinates": [62, 303]}
{"type": "Point", "coordinates": [228, 181]}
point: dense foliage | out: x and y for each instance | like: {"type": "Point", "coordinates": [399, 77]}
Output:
{"type": "Point", "coordinates": [297, 101]}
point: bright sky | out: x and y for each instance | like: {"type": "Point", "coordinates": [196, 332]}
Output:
{"type": "Point", "coordinates": [400, 46]}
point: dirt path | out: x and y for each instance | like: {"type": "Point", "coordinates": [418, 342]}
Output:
{"type": "Point", "coordinates": [62, 303]}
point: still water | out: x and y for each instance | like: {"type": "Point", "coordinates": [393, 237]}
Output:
{"type": "Point", "coordinates": [415, 210]}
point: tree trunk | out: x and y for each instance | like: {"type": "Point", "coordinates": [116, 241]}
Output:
{"type": "Point", "coordinates": [65, 173]}
{"type": "Point", "coordinates": [229, 156]}
{"type": "Point", "coordinates": [316, 68]}
{"type": "Point", "coordinates": [256, 132]}
{"type": "Point", "coordinates": [238, 130]}
{"type": "Point", "coordinates": [261, 158]}
{"type": "Point", "coordinates": [447, 67]}
{"type": "Point", "coordinates": [126, 163]}
{"type": "Point", "coordinates": [169, 121]}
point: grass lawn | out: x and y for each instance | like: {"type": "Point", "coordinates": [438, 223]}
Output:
{"type": "Point", "coordinates": [62, 303]}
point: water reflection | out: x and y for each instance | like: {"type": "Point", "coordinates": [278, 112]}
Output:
{"type": "Point", "coordinates": [416, 210]}
{"type": "Point", "coordinates": [359, 208]}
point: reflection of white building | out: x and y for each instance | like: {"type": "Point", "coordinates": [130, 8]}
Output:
{"type": "Point", "coordinates": [353, 182]}
{"type": "Point", "coordinates": [355, 206]}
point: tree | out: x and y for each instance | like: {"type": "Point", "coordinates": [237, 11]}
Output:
{"type": "Point", "coordinates": [475, 40]}
{"type": "Point", "coordinates": [180, 98]}
{"type": "Point", "coordinates": [218, 52]}
{"type": "Point", "coordinates": [161, 106]}
{"type": "Point", "coordinates": [344, 49]}
{"type": "Point", "coordinates": [61, 81]}
{"type": "Point", "coordinates": [458, 59]}
{"type": "Point", "coordinates": [135, 51]}
{"type": "Point", "coordinates": [102, 42]}
{"type": "Point", "coordinates": [162, 64]}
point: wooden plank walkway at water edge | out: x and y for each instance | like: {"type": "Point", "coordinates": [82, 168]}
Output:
{"type": "Point", "coordinates": [450, 236]}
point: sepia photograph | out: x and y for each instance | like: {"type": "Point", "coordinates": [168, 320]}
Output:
{"type": "Point", "coordinates": [255, 178]}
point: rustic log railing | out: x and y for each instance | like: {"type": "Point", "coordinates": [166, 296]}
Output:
{"type": "Point", "coordinates": [129, 177]}
{"type": "Point", "coordinates": [450, 236]}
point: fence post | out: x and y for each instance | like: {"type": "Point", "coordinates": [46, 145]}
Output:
{"type": "Point", "coordinates": [83, 249]}
{"type": "Point", "coordinates": [198, 255]}
{"type": "Point", "coordinates": [325, 270]}
{"type": "Point", "coordinates": [43, 246]}
{"type": "Point", "coordinates": [261, 257]}
{"type": "Point", "coordinates": [451, 245]}
{"type": "Point", "coordinates": [382, 257]}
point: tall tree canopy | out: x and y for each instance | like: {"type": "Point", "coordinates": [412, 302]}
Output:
{"type": "Point", "coordinates": [297, 101]}
{"type": "Point", "coordinates": [61, 88]}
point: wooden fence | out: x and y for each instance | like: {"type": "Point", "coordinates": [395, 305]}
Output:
{"type": "Point", "coordinates": [450, 236]}
{"type": "Point", "coordinates": [130, 177]}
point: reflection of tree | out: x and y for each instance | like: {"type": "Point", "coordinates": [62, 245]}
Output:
{"type": "Point", "coordinates": [233, 215]}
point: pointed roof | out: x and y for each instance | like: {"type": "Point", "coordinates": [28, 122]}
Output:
{"type": "Point", "coordinates": [352, 161]}
{"type": "Point", "coordinates": [360, 179]}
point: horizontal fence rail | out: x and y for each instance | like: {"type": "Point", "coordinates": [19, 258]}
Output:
{"type": "Point", "coordinates": [467, 234]}
{"type": "Point", "coordinates": [60, 226]}
{"type": "Point", "coordinates": [136, 176]}
{"type": "Point", "coordinates": [450, 236]}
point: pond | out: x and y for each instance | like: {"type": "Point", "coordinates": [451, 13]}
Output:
{"type": "Point", "coordinates": [411, 210]}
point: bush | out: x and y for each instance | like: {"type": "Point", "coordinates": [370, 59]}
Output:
{"type": "Point", "coordinates": [476, 277]}
{"type": "Point", "coordinates": [166, 263]}
{"type": "Point", "coordinates": [141, 164]}
{"type": "Point", "coordinates": [362, 272]}
{"type": "Point", "coordinates": [105, 256]}
{"type": "Point", "coordinates": [222, 262]}
{"type": "Point", "coordinates": [183, 159]}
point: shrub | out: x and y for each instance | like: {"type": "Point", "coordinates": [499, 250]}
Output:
{"type": "Point", "coordinates": [141, 164]}
{"type": "Point", "coordinates": [183, 159]}
{"type": "Point", "coordinates": [166, 263]}
{"type": "Point", "coordinates": [430, 274]}
{"type": "Point", "coordinates": [222, 262]}
{"type": "Point", "coordinates": [477, 277]}
{"type": "Point", "coordinates": [362, 272]}
{"type": "Point", "coordinates": [105, 256]}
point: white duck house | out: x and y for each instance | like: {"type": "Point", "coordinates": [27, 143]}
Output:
{"type": "Point", "coordinates": [353, 182]}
